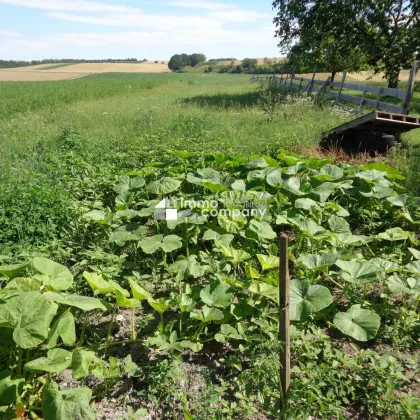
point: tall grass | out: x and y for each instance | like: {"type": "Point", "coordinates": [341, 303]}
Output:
{"type": "Point", "coordinates": [115, 114]}
{"type": "Point", "coordinates": [168, 111]}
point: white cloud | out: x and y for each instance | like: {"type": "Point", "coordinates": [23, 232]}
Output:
{"type": "Point", "coordinates": [239, 15]}
{"type": "Point", "coordinates": [69, 5]}
{"type": "Point", "coordinates": [166, 22]}
{"type": "Point", "coordinates": [192, 4]}
{"type": "Point", "coordinates": [150, 34]}
{"type": "Point", "coordinates": [122, 43]}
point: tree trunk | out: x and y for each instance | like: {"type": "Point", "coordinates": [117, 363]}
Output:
{"type": "Point", "coordinates": [393, 80]}
{"type": "Point", "coordinates": [333, 75]}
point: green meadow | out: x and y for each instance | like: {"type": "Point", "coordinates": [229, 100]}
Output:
{"type": "Point", "coordinates": [107, 312]}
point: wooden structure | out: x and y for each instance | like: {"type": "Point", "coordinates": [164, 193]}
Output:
{"type": "Point", "coordinates": [284, 317]}
{"type": "Point", "coordinates": [390, 106]}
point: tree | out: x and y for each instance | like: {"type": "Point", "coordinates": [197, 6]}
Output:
{"type": "Point", "coordinates": [186, 59]}
{"type": "Point", "coordinates": [197, 58]}
{"type": "Point", "coordinates": [348, 33]}
{"type": "Point", "coordinates": [249, 63]}
{"type": "Point", "coordinates": [176, 63]}
{"type": "Point", "coordinates": [394, 27]}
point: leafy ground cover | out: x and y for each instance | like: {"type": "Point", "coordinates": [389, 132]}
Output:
{"type": "Point", "coordinates": [106, 312]}
{"type": "Point", "coordinates": [206, 287]}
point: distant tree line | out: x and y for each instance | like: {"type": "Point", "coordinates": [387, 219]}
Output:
{"type": "Point", "coordinates": [6, 64]}
{"type": "Point", "coordinates": [179, 61]}
{"type": "Point", "coordinates": [216, 60]}
{"type": "Point", "coordinates": [250, 65]}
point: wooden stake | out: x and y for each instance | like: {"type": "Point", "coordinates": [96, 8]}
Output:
{"type": "Point", "coordinates": [343, 79]}
{"type": "Point", "coordinates": [410, 88]}
{"type": "Point", "coordinates": [312, 82]}
{"type": "Point", "coordinates": [284, 317]}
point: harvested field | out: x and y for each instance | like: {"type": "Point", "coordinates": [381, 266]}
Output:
{"type": "Point", "coordinates": [64, 71]}
{"type": "Point", "coordinates": [363, 76]}
{"type": "Point", "coordinates": [8, 75]}
{"type": "Point", "coordinates": [149, 67]}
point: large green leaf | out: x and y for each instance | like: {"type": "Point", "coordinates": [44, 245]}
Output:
{"type": "Point", "coordinates": [187, 267]}
{"type": "Point", "coordinates": [231, 225]}
{"type": "Point", "coordinates": [217, 294]}
{"type": "Point", "coordinates": [85, 362]}
{"type": "Point", "coordinates": [169, 243]}
{"type": "Point", "coordinates": [127, 233]}
{"type": "Point", "coordinates": [164, 186]}
{"type": "Point", "coordinates": [219, 240]}
{"type": "Point", "coordinates": [359, 273]}
{"type": "Point", "coordinates": [264, 289]}
{"type": "Point", "coordinates": [82, 302]}
{"type": "Point", "coordinates": [227, 332]}
{"type": "Point", "coordinates": [308, 226]}
{"type": "Point", "coordinates": [268, 261]}
{"type": "Point", "coordinates": [63, 327]}
{"type": "Point", "coordinates": [123, 301]}
{"type": "Point", "coordinates": [306, 299]}
{"type": "Point", "coordinates": [339, 225]}
{"type": "Point", "coordinates": [262, 229]}
{"type": "Point", "coordinates": [160, 305]}
{"type": "Point", "coordinates": [98, 284]}
{"type": "Point", "coordinates": [125, 183]}
{"type": "Point", "coordinates": [56, 361]}
{"type": "Point", "coordinates": [413, 267]}
{"type": "Point", "coordinates": [138, 292]}
{"type": "Point", "coordinates": [399, 200]}
{"type": "Point", "coordinates": [395, 234]}
{"type": "Point", "coordinates": [30, 315]}
{"type": "Point", "coordinates": [399, 284]}
{"type": "Point", "coordinates": [274, 178]}
{"type": "Point", "coordinates": [318, 261]}
{"type": "Point", "coordinates": [329, 173]}
{"type": "Point", "coordinates": [360, 324]}
{"type": "Point", "coordinates": [72, 404]}
{"type": "Point", "coordinates": [305, 204]}
{"type": "Point", "coordinates": [391, 173]}
{"type": "Point", "coordinates": [23, 284]}
{"type": "Point", "coordinates": [207, 314]}
{"type": "Point", "coordinates": [415, 253]}
{"type": "Point", "coordinates": [53, 274]}
{"type": "Point", "coordinates": [13, 270]}
{"type": "Point", "coordinates": [235, 255]}
{"type": "Point", "coordinates": [10, 389]}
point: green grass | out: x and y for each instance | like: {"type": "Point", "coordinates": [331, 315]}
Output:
{"type": "Point", "coordinates": [188, 111]}
{"type": "Point", "coordinates": [63, 146]}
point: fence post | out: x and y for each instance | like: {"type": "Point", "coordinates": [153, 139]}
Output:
{"type": "Point", "coordinates": [312, 82]}
{"type": "Point", "coordinates": [362, 100]}
{"type": "Point", "coordinates": [343, 79]}
{"type": "Point", "coordinates": [284, 317]}
{"type": "Point", "coordinates": [324, 86]}
{"type": "Point", "coordinates": [410, 88]}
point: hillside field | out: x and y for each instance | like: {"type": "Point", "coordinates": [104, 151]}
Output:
{"type": "Point", "coordinates": [71, 71]}
{"type": "Point", "coordinates": [109, 311]}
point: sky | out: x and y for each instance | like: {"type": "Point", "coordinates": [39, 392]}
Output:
{"type": "Point", "coordinates": [151, 29]}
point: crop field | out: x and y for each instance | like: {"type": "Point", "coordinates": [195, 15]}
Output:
{"type": "Point", "coordinates": [71, 71]}
{"type": "Point", "coordinates": [109, 311]}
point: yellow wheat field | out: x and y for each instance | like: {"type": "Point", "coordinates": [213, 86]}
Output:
{"type": "Point", "coordinates": [36, 73]}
